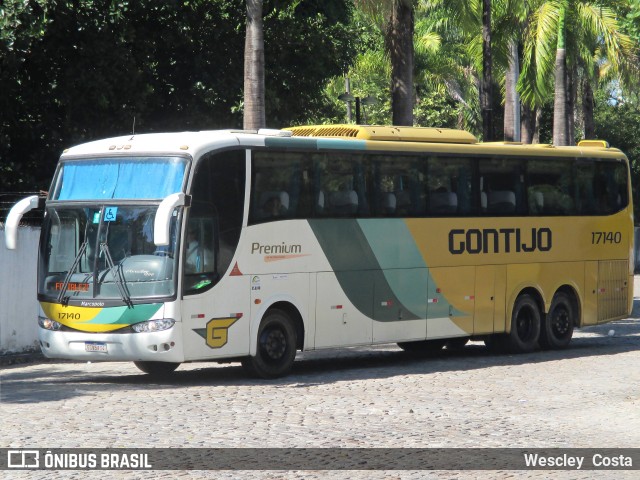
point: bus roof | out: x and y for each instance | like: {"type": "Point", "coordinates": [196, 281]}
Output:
{"type": "Point", "coordinates": [374, 132]}
{"type": "Point", "coordinates": [330, 136]}
{"type": "Point", "coordinates": [172, 143]}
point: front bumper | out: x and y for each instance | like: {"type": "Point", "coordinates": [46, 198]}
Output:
{"type": "Point", "coordinates": [163, 346]}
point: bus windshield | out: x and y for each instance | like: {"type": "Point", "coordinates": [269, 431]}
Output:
{"type": "Point", "coordinates": [119, 178]}
{"type": "Point", "coordinates": [105, 251]}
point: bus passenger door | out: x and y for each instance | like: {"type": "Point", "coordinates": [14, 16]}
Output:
{"type": "Point", "coordinates": [590, 303]}
{"type": "Point", "coordinates": [344, 309]}
{"type": "Point", "coordinates": [400, 307]}
{"type": "Point", "coordinates": [216, 322]}
{"type": "Point", "coordinates": [489, 299]}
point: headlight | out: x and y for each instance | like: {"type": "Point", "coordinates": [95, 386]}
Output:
{"type": "Point", "coordinates": [49, 324]}
{"type": "Point", "coordinates": [153, 325]}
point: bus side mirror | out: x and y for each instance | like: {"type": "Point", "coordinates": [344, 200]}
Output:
{"type": "Point", "coordinates": [162, 222]}
{"type": "Point", "coordinates": [13, 219]}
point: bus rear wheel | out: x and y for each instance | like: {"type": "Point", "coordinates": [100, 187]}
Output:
{"type": "Point", "coordinates": [276, 349]}
{"type": "Point", "coordinates": [157, 368]}
{"type": "Point", "coordinates": [557, 328]}
{"type": "Point", "coordinates": [525, 325]}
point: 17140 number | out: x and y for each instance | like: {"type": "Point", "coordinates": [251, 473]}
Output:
{"type": "Point", "coordinates": [601, 238]}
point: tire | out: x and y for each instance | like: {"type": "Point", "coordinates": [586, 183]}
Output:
{"type": "Point", "coordinates": [423, 346]}
{"type": "Point", "coordinates": [157, 369]}
{"type": "Point", "coordinates": [557, 327]}
{"type": "Point", "coordinates": [496, 343]}
{"type": "Point", "coordinates": [276, 349]}
{"type": "Point", "coordinates": [525, 326]}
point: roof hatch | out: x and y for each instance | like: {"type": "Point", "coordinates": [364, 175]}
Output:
{"type": "Point", "coordinates": [380, 133]}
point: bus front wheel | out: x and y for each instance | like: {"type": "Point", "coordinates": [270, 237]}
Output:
{"type": "Point", "coordinates": [276, 349]}
{"type": "Point", "coordinates": [525, 325]}
{"type": "Point", "coordinates": [557, 328]}
{"type": "Point", "coordinates": [157, 368]}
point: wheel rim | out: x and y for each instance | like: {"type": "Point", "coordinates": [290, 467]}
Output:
{"type": "Point", "coordinates": [273, 343]}
{"type": "Point", "coordinates": [525, 324]}
{"type": "Point", "coordinates": [561, 322]}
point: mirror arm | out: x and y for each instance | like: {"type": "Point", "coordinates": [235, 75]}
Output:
{"type": "Point", "coordinates": [162, 222]}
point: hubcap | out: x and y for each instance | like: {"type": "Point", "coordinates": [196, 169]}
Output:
{"type": "Point", "coordinates": [273, 343]}
{"type": "Point", "coordinates": [524, 324]}
{"type": "Point", "coordinates": [560, 323]}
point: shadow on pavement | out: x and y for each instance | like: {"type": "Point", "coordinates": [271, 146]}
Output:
{"type": "Point", "coordinates": [28, 385]}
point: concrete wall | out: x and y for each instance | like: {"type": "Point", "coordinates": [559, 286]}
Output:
{"type": "Point", "coordinates": [18, 303]}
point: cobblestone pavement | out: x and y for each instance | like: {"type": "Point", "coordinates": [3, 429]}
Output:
{"type": "Point", "coordinates": [585, 396]}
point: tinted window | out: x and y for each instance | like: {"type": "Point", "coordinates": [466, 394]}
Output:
{"type": "Point", "coordinates": [550, 189]}
{"type": "Point", "coordinates": [502, 187]}
{"type": "Point", "coordinates": [399, 186]}
{"type": "Point", "coordinates": [215, 218]}
{"type": "Point", "coordinates": [601, 187]}
{"type": "Point", "coordinates": [342, 181]}
{"type": "Point", "coordinates": [449, 186]}
{"type": "Point", "coordinates": [357, 184]}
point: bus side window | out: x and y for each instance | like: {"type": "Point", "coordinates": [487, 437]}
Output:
{"type": "Point", "coordinates": [450, 186]}
{"type": "Point", "coordinates": [281, 186]}
{"type": "Point", "coordinates": [199, 246]}
{"type": "Point", "coordinates": [550, 187]}
{"type": "Point", "coordinates": [215, 217]}
{"type": "Point", "coordinates": [340, 185]}
{"type": "Point", "coordinates": [610, 187]}
{"type": "Point", "coordinates": [502, 186]}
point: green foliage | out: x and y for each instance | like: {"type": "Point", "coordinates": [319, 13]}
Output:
{"type": "Point", "coordinates": [446, 92]}
{"type": "Point", "coordinates": [618, 122]}
{"type": "Point", "coordinates": [76, 70]}
{"type": "Point", "coordinates": [304, 46]}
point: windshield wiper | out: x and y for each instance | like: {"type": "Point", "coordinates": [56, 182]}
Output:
{"type": "Point", "coordinates": [67, 279]}
{"type": "Point", "coordinates": [118, 276]}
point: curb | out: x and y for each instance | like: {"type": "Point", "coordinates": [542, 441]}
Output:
{"type": "Point", "coordinates": [7, 359]}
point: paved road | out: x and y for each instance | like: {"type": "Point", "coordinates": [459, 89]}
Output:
{"type": "Point", "coordinates": [586, 396]}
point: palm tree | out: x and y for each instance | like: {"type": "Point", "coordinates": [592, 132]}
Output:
{"type": "Point", "coordinates": [446, 60]}
{"type": "Point", "coordinates": [399, 44]}
{"type": "Point", "coordinates": [560, 120]}
{"type": "Point", "coordinates": [474, 18]}
{"type": "Point", "coordinates": [573, 30]}
{"type": "Point", "coordinates": [486, 85]}
{"type": "Point", "coordinates": [395, 18]}
{"type": "Point", "coordinates": [254, 90]}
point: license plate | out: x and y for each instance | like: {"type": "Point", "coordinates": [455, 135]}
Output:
{"type": "Point", "coordinates": [95, 347]}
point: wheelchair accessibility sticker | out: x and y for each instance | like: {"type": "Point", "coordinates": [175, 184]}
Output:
{"type": "Point", "coordinates": [110, 214]}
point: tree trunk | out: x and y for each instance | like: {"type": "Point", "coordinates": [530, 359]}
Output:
{"type": "Point", "coordinates": [587, 110]}
{"type": "Point", "coordinates": [572, 99]}
{"type": "Point", "coordinates": [560, 121]}
{"type": "Point", "coordinates": [399, 43]}
{"type": "Point", "coordinates": [254, 106]}
{"type": "Point", "coordinates": [512, 99]}
{"type": "Point", "coordinates": [536, 125]}
{"type": "Point", "coordinates": [486, 86]}
{"type": "Point", "coordinates": [527, 124]}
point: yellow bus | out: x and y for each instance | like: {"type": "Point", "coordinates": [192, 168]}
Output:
{"type": "Point", "coordinates": [250, 246]}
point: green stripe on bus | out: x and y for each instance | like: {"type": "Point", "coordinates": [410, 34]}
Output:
{"type": "Point", "coordinates": [357, 269]}
{"type": "Point", "coordinates": [126, 315]}
{"type": "Point", "coordinates": [292, 143]}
